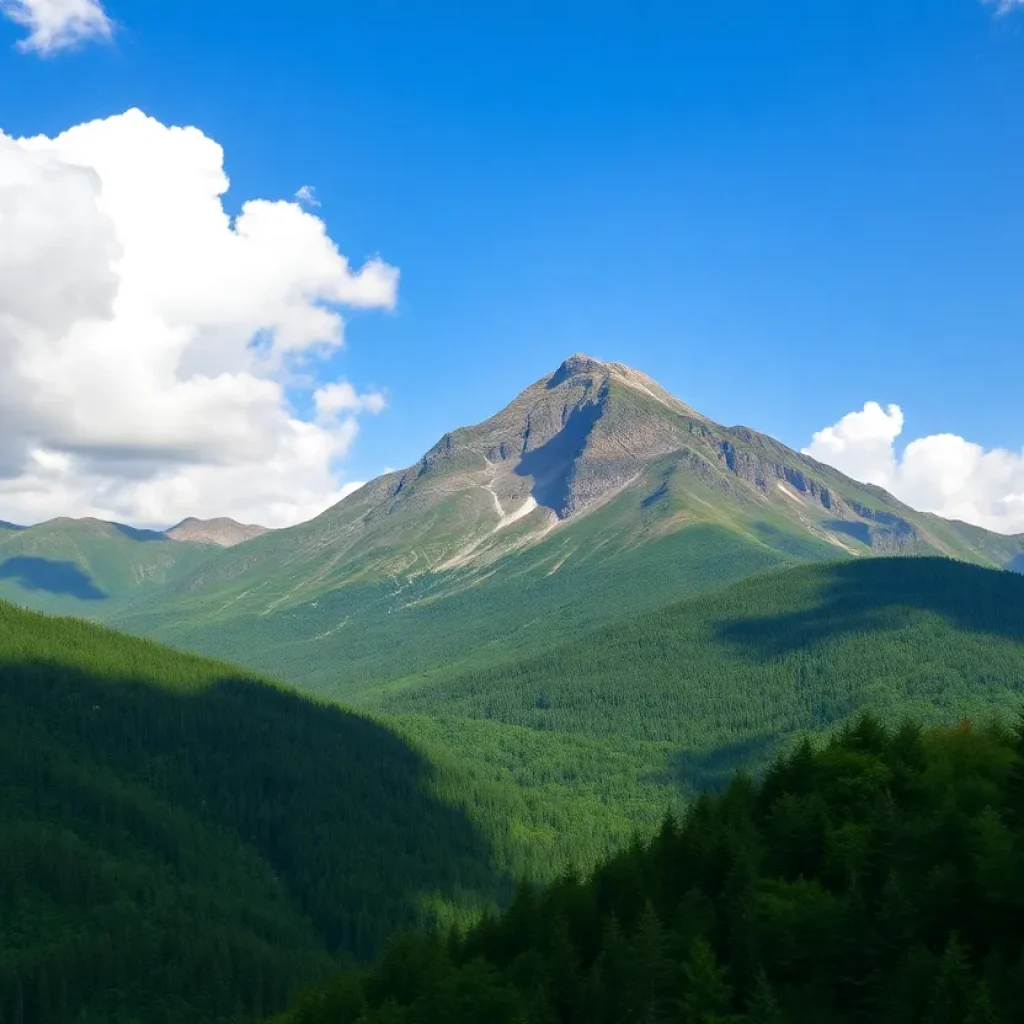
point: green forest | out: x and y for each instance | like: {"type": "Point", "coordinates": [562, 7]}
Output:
{"type": "Point", "coordinates": [595, 738]}
{"type": "Point", "coordinates": [181, 840]}
{"type": "Point", "coordinates": [878, 878]}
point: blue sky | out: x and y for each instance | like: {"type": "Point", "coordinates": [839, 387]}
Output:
{"type": "Point", "coordinates": [780, 212]}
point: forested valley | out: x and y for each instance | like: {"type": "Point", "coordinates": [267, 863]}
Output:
{"type": "Point", "coordinates": [184, 841]}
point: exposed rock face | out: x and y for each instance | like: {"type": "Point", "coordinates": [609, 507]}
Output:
{"type": "Point", "coordinates": [225, 532]}
{"type": "Point", "coordinates": [566, 441]}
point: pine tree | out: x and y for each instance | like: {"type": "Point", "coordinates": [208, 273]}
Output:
{"type": "Point", "coordinates": [953, 988]}
{"type": "Point", "coordinates": [707, 996]}
{"type": "Point", "coordinates": [763, 1007]}
{"type": "Point", "coordinates": [649, 969]}
{"type": "Point", "coordinates": [982, 1010]}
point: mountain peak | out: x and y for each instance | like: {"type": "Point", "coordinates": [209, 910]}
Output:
{"type": "Point", "coordinates": [575, 366]}
{"type": "Point", "coordinates": [223, 531]}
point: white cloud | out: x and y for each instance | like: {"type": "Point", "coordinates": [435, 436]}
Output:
{"type": "Point", "coordinates": [58, 24]}
{"type": "Point", "coordinates": [145, 336]}
{"type": "Point", "coordinates": [942, 473]}
{"type": "Point", "coordinates": [307, 194]}
{"type": "Point", "coordinates": [334, 399]}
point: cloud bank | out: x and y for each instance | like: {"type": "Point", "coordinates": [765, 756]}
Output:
{"type": "Point", "coordinates": [147, 338]}
{"type": "Point", "coordinates": [943, 473]}
{"type": "Point", "coordinates": [58, 24]}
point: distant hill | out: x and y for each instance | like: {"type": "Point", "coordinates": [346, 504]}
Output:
{"type": "Point", "coordinates": [183, 842]}
{"type": "Point", "coordinates": [86, 566]}
{"type": "Point", "coordinates": [593, 495]}
{"type": "Point", "coordinates": [89, 566]}
{"type": "Point", "coordinates": [224, 532]}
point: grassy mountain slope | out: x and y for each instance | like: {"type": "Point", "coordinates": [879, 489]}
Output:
{"type": "Point", "coordinates": [182, 842]}
{"type": "Point", "coordinates": [86, 566]}
{"type": "Point", "coordinates": [594, 495]}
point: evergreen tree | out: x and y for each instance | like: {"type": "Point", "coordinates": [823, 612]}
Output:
{"type": "Point", "coordinates": [707, 996]}
{"type": "Point", "coordinates": [763, 1007]}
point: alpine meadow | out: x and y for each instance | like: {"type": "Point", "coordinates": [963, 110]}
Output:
{"type": "Point", "coordinates": [511, 514]}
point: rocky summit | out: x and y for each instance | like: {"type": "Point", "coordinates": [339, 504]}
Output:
{"type": "Point", "coordinates": [223, 531]}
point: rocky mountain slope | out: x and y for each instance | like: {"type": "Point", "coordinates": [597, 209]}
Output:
{"type": "Point", "coordinates": [222, 531]}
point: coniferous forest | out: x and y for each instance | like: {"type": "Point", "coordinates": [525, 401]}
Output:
{"type": "Point", "coordinates": [182, 841]}
{"type": "Point", "coordinates": [878, 879]}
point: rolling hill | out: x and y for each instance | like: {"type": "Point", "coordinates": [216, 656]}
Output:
{"type": "Point", "coordinates": [224, 532]}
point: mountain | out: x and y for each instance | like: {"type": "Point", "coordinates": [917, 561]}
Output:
{"type": "Point", "coordinates": [593, 495]}
{"type": "Point", "coordinates": [182, 841]}
{"type": "Point", "coordinates": [224, 532]}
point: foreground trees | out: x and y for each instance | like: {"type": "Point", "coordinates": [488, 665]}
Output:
{"type": "Point", "coordinates": [879, 879]}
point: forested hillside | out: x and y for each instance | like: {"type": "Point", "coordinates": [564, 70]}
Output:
{"type": "Point", "coordinates": [181, 842]}
{"type": "Point", "coordinates": [599, 735]}
{"type": "Point", "coordinates": [878, 879]}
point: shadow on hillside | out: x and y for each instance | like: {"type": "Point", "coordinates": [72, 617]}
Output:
{"type": "Point", "coordinates": [858, 531]}
{"type": "Point", "coordinates": [712, 771]}
{"type": "Point", "coordinates": [344, 811]}
{"type": "Point", "coordinates": [551, 464]}
{"type": "Point", "coordinates": [881, 595]}
{"type": "Point", "coordinates": [1017, 565]}
{"type": "Point", "coordinates": [64, 579]}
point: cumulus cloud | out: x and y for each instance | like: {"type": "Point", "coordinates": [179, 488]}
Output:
{"type": "Point", "coordinates": [943, 473]}
{"type": "Point", "coordinates": [147, 338]}
{"type": "Point", "coordinates": [333, 400]}
{"type": "Point", "coordinates": [58, 24]}
{"type": "Point", "coordinates": [307, 194]}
